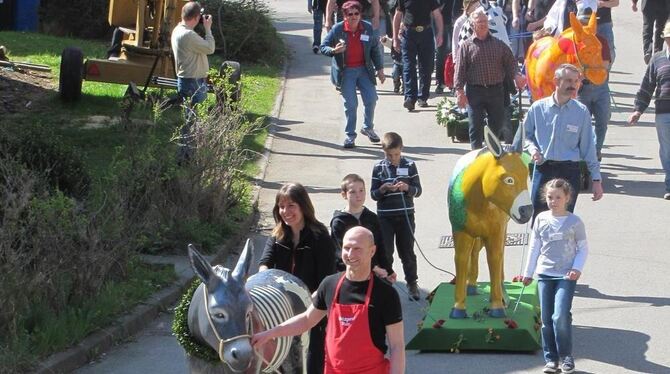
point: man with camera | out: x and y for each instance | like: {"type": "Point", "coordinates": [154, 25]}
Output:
{"type": "Point", "coordinates": [190, 52]}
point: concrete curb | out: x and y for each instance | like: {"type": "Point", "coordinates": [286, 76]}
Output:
{"type": "Point", "coordinates": [132, 323]}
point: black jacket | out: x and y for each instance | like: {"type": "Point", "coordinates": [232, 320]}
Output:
{"type": "Point", "coordinates": [311, 260]}
{"type": "Point", "coordinates": [343, 221]}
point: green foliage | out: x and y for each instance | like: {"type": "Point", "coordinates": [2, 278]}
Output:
{"type": "Point", "coordinates": [244, 31]}
{"type": "Point", "coordinates": [181, 332]}
{"type": "Point", "coordinates": [40, 149]}
{"type": "Point", "coordinates": [61, 251]}
{"type": "Point", "coordinates": [42, 331]}
{"type": "Point", "coordinates": [78, 18]}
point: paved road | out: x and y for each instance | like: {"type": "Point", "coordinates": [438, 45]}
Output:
{"type": "Point", "coordinates": [622, 307]}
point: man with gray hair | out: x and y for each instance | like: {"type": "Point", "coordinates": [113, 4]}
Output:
{"type": "Point", "coordinates": [558, 135]}
{"type": "Point", "coordinates": [483, 64]}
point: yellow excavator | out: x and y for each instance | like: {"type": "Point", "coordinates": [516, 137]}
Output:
{"type": "Point", "coordinates": [145, 57]}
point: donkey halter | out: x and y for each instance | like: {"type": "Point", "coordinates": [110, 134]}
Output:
{"type": "Point", "coordinates": [222, 342]}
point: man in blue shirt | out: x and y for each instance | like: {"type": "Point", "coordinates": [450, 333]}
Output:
{"type": "Point", "coordinates": [558, 135]}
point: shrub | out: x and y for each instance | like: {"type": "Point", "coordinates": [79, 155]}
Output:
{"type": "Point", "coordinates": [244, 31]}
{"type": "Point", "coordinates": [75, 18]}
{"type": "Point", "coordinates": [39, 149]}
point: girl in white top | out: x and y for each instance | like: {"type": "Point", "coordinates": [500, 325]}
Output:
{"type": "Point", "coordinates": [558, 251]}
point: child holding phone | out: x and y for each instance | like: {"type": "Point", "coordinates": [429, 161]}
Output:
{"type": "Point", "coordinates": [395, 184]}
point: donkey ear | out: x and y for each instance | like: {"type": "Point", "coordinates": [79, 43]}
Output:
{"type": "Point", "coordinates": [493, 143]}
{"type": "Point", "coordinates": [592, 27]}
{"type": "Point", "coordinates": [202, 267]}
{"type": "Point", "coordinates": [577, 28]}
{"type": "Point", "coordinates": [244, 263]}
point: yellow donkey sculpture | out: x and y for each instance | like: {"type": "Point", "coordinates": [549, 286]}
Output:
{"type": "Point", "coordinates": [487, 187]}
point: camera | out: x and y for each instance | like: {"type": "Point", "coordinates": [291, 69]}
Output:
{"type": "Point", "coordinates": [202, 15]}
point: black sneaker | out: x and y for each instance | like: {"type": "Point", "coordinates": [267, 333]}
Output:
{"type": "Point", "coordinates": [349, 142]}
{"type": "Point", "coordinates": [422, 103]}
{"type": "Point", "coordinates": [439, 89]}
{"type": "Point", "coordinates": [371, 134]}
{"type": "Point", "coordinates": [409, 104]}
{"type": "Point", "coordinates": [396, 85]}
{"type": "Point", "coordinates": [413, 291]}
{"type": "Point", "coordinates": [315, 49]}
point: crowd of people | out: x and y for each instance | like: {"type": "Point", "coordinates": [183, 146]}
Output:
{"type": "Point", "coordinates": [355, 319]}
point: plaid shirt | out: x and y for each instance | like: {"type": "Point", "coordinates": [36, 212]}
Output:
{"type": "Point", "coordinates": [484, 62]}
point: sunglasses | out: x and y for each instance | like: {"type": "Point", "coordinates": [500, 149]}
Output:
{"type": "Point", "coordinates": [352, 14]}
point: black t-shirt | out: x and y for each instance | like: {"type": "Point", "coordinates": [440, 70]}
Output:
{"type": "Point", "coordinates": [384, 307]}
{"type": "Point", "coordinates": [417, 12]}
{"type": "Point", "coordinates": [604, 14]}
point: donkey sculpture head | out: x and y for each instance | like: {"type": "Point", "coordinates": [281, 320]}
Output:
{"type": "Point", "coordinates": [487, 188]}
{"type": "Point", "coordinates": [577, 45]}
{"type": "Point", "coordinates": [227, 308]}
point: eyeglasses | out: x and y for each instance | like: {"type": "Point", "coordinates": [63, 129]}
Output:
{"type": "Point", "coordinates": [352, 14]}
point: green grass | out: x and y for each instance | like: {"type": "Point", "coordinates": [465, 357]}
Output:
{"type": "Point", "coordinates": [260, 85]}
{"type": "Point", "coordinates": [52, 333]}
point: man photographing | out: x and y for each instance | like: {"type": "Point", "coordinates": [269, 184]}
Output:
{"type": "Point", "coordinates": [190, 53]}
{"type": "Point", "coordinates": [363, 313]}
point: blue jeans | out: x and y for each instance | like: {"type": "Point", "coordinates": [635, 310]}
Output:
{"type": "Point", "coordinates": [556, 303]}
{"type": "Point", "coordinates": [317, 14]}
{"type": "Point", "coordinates": [417, 46]}
{"type": "Point", "coordinates": [597, 100]}
{"type": "Point", "coordinates": [605, 30]}
{"type": "Point", "coordinates": [377, 33]}
{"type": "Point", "coordinates": [352, 78]}
{"type": "Point", "coordinates": [195, 88]}
{"type": "Point", "coordinates": [663, 131]}
{"type": "Point", "coordinates": [568, 170]}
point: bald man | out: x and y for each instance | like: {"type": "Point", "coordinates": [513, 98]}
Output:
{"type": "Point", "coordinates": [363, 312]}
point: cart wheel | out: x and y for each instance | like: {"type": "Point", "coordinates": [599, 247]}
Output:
{"type": "Point", "coordinates": [71, 74]}
{"type": "Point", "coordinates": [233, 71]}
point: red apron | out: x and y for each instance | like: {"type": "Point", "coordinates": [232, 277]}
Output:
{"type": "Point", "coordinates": [349, 345]}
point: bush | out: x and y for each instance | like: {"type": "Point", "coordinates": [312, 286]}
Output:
{"type": "Point", "coordinates": [51, 252]}
{"type": "Point", "coordinates": [39, 149]}
{"type": "Point", "coordinates": [75, 18]}
{"type": "Point", "coordinates": [244, 31]}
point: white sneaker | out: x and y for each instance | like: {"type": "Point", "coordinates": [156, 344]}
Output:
{"type": "Point", "coordinates": [550, 367]}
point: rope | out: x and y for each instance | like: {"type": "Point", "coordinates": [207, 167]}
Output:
{"type": "Point", "coordinates": [409, 224]}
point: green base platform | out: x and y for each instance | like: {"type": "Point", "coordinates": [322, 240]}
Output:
{"type": "Point", "coordinates": [479, 331]}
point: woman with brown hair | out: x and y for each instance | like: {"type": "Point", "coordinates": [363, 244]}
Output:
{"type": "Point", "coordinates": [301, 245]}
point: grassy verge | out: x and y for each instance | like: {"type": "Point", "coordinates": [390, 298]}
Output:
{"type": "Point", "coordinates": [48, 333]}
{"type": "Point", "coordinates": [42, 332]}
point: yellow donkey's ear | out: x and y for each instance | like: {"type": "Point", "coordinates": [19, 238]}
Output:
{"type": "Point", "coordinates": [576, 26]}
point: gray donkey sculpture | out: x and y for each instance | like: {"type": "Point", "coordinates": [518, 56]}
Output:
{"type": "Point", "coordinates": [227, 308]}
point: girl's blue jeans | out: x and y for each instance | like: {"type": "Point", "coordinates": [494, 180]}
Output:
{"type": "Point", "coordinates": [556, 303]}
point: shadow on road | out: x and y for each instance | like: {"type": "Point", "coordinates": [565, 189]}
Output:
{"type": "Point", "coordinates": [624, 349]}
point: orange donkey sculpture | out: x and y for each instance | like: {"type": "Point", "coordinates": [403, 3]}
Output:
{"type": "Point", "coordinates": [577, 45]}
{"type": "Point", "coordinates": [487, 187]}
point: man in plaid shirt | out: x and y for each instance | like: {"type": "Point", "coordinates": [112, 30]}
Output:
{"type": "Point", "coordinates": [483, 63]}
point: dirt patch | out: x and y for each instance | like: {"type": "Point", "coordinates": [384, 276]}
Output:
{"type": "Point", "coordinates": [23, 89]}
